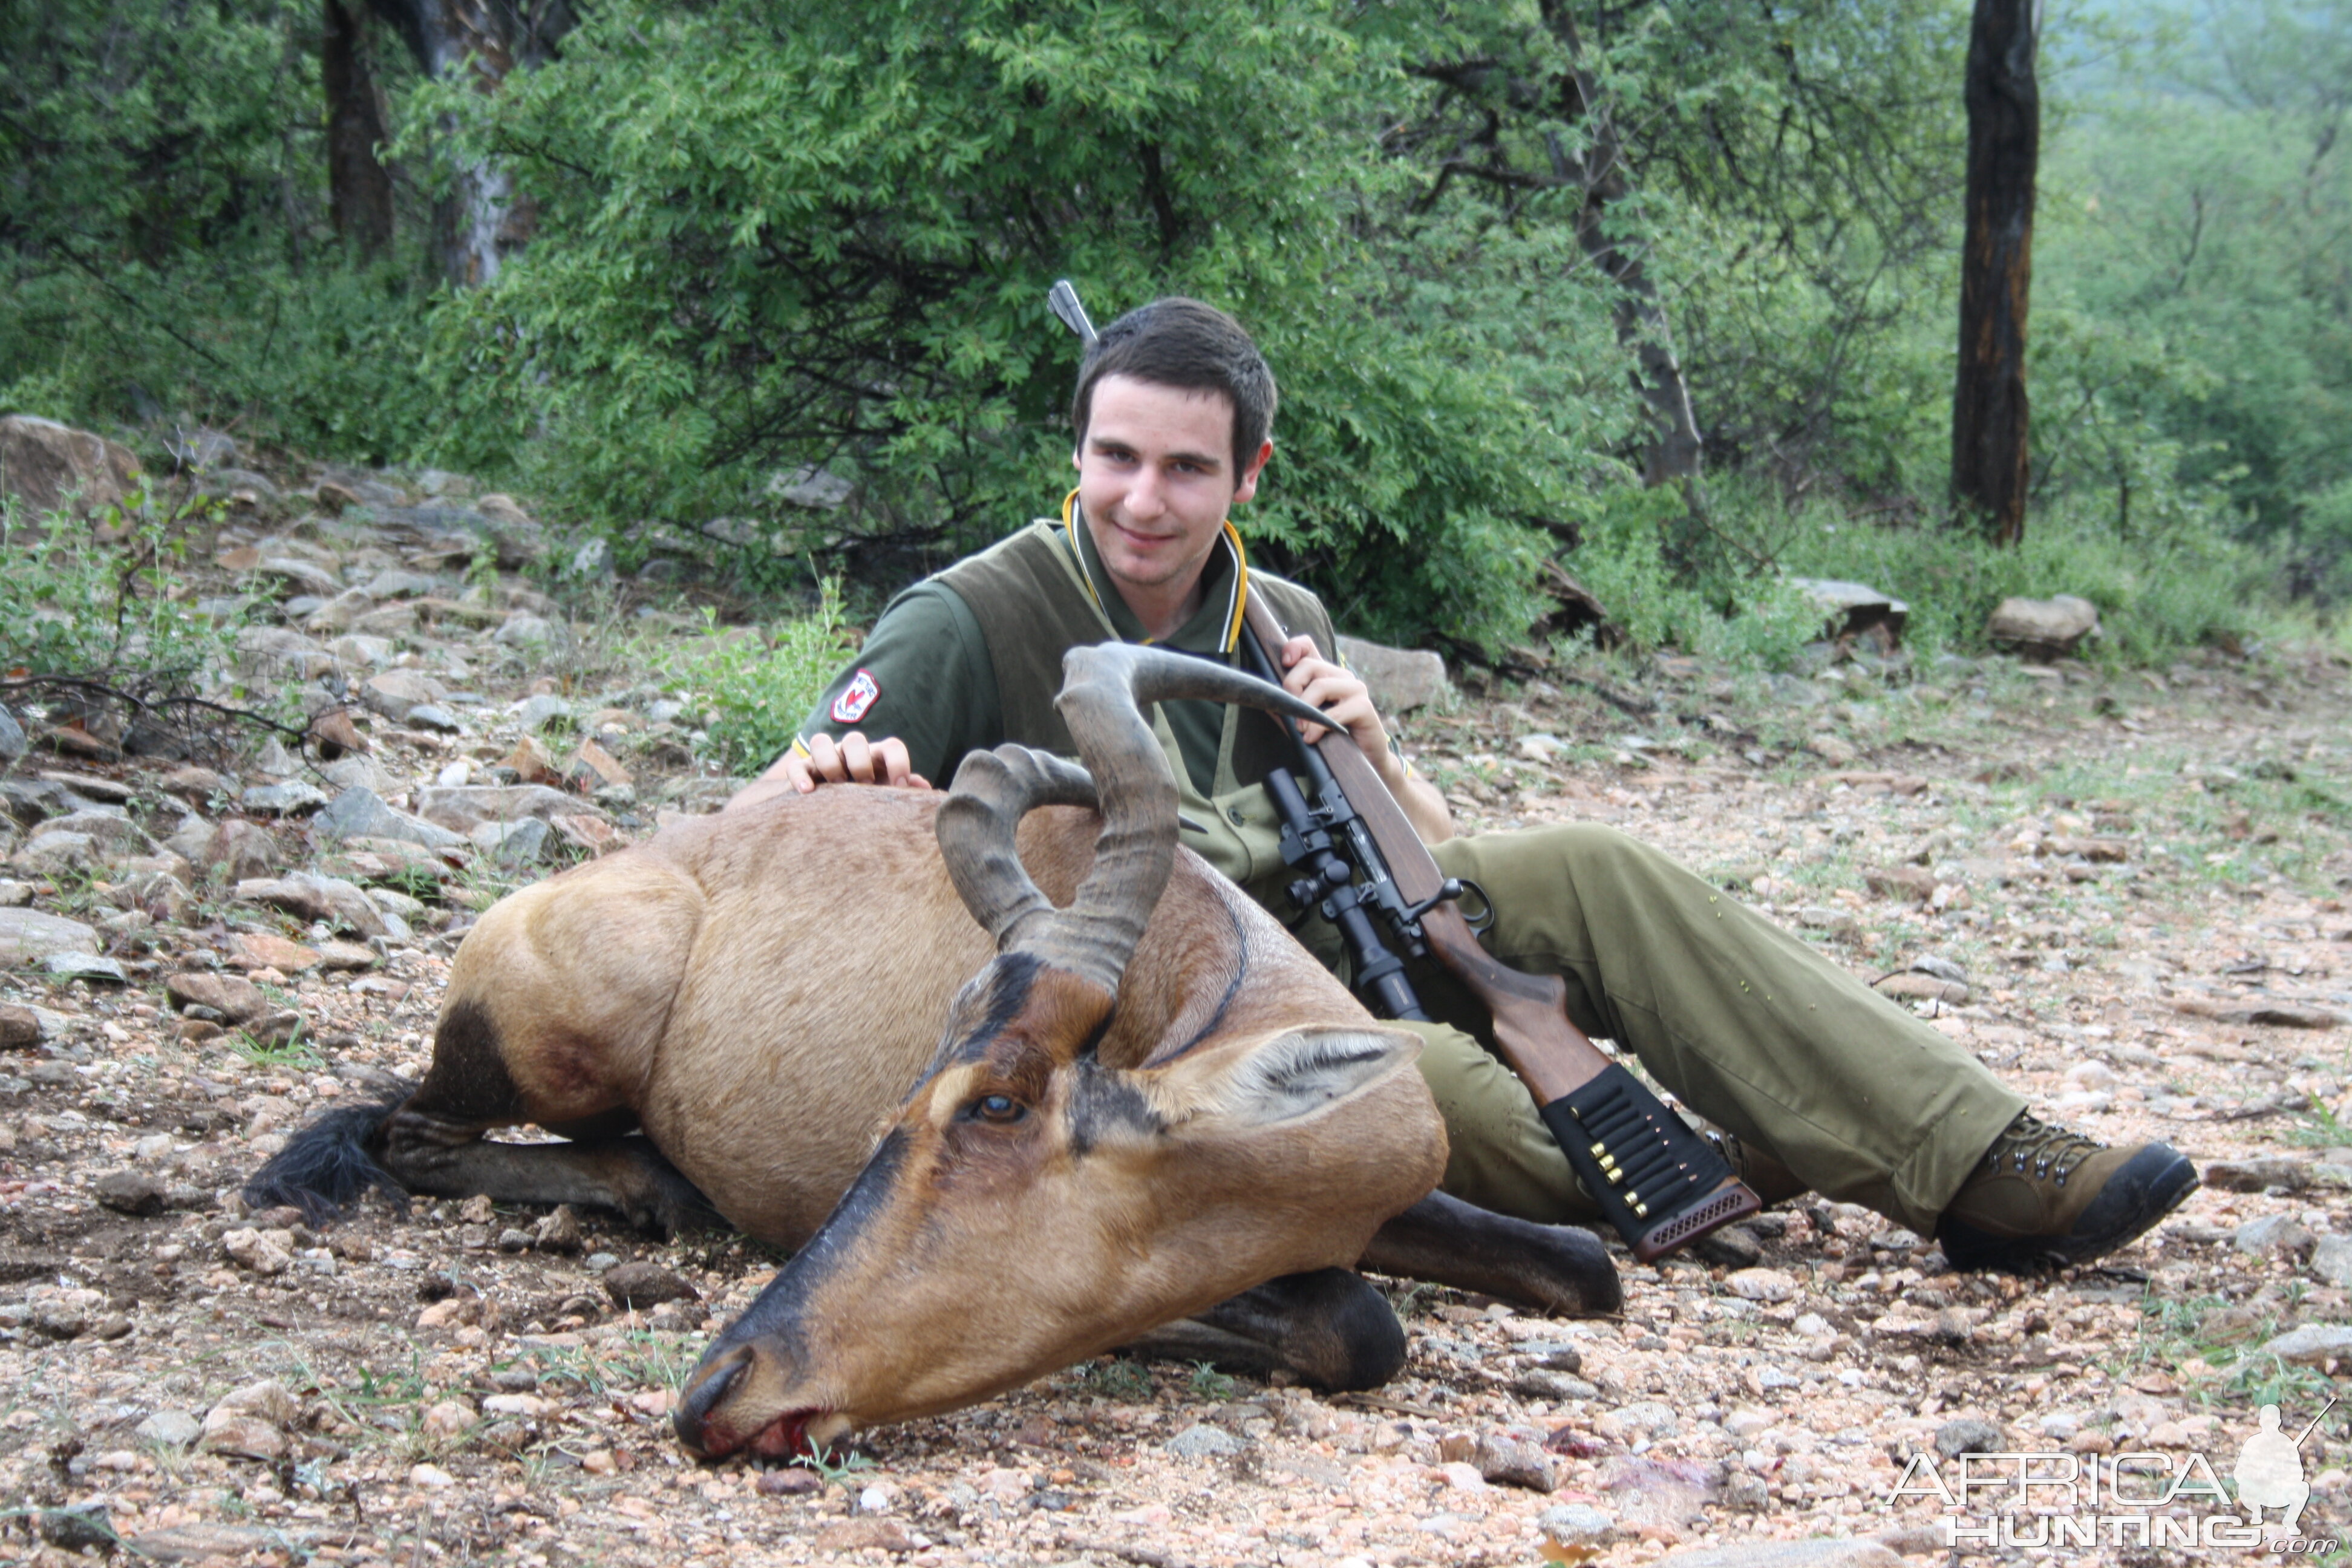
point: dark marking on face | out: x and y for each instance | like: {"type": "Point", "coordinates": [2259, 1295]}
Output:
{"type": "Point", "coordinates": [778, 1307]}
{"type": "Point", "coordinates": [1103, 1101]}
{"type": "Point", "coordinates": [987, 1006]}
{"type": "Point", "coordinates": [982, 1010]}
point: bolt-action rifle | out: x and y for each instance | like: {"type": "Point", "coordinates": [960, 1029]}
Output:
{"type": "Point", "coordinates": [1660, 1184]}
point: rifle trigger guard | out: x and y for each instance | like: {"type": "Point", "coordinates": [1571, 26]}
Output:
{"type": "Point", "coordinates": [1484, 919]}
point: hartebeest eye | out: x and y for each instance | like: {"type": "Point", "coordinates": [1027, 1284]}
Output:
{"type": "Point", "coordinates": [999, 1108]}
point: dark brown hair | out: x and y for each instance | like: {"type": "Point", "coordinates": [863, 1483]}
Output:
{"type": "Point", "coordinates": [1184, 343]}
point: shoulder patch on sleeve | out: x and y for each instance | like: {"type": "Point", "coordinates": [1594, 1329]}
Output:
{"type": "Point", "coordinates": [856, 698]}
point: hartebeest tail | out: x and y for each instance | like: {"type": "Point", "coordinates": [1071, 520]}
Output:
{"type": "Point", "coordinates": [328, 1164]}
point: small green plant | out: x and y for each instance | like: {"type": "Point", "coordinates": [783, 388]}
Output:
{"type": "Point", "coordinates": [656, 1361]}
{"type": "Point", "coordinates": [294, 1051]}
{"type": "Point", "coordinates": [834, 1466]}
{"type": "Point", "coordinates": [2266, 1380]}
{"type": "Point", "coordinates": [72, 608]}
{"type": "Point", "coordinates": [758, 689]}
{"type": "Point", "coordinates": [584, 1365]}
{"type": "Point", "coordinates": [2321, 1128]}
{"type": "Point", "coordinates": [404, 1391]}
{"type": "Point", "coordinates": [488, 878]}
{"type": "Point", "coordinates": [1115, 1377]}
{"type": "Point", "coordinates": [482, 567]}
{"type": "Point", "coordinates": [643, 1359]}
{"type": "Point", "coordinates": [1208, 1382]}
{"type": "Point", "coordinates": [77, 893]}
{"type": "Point", "coordinates": [1409, 1300]}
{"type": "Point", "coordinates": [2173, 1329]}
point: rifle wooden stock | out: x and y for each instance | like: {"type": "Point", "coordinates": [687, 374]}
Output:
{"type": "Point", "coordinates": [1532, 1032]}
{"type": "Point", "coordinates": [1660, 1185]}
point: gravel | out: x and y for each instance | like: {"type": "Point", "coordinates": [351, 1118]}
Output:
{"type": "Point", "coordinates": [222, 1385]}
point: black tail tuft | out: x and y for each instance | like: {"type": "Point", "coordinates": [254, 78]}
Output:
{"type": "Point", "coordinates": [328, 1164]}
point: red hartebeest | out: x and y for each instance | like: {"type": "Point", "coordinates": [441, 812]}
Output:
{"type": "Point", "coordinates": [1148, 1103]}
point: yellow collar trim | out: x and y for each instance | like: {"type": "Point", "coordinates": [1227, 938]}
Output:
{"type": "Point", "coordinates": [1237, 592]}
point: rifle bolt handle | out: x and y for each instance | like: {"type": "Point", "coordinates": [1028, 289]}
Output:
{"type": "Point", "coordinates": [1447, 892]}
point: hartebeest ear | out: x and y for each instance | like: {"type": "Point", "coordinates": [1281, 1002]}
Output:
{"type": "Point", "coordinates": [1285, 1077]}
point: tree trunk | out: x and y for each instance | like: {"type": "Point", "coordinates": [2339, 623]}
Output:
{"type": "Point", "coordinates": [1990, 456]}
{"type": "Point", "coordinates": [482, 222]}
{"type": "Point", "coordinates": [1675, 455]}
{"type": "Point", "coordinates": [359, 187]}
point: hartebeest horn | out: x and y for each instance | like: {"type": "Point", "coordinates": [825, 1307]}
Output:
{"type": "Point", "coordinates": [1105, 689]}
{"type": "Point", "coordinates": [993, 791]}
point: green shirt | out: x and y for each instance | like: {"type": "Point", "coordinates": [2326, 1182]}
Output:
{"type": "Point", "coordinates": [925, 675]}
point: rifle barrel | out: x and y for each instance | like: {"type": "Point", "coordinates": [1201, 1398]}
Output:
{"type": "Point", "coordinates": [1062, 300]}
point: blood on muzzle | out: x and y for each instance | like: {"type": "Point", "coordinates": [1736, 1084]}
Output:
{"type": "Point", "coordinates": [713, 1381]}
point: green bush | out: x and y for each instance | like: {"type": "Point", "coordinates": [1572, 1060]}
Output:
{"type": "Point", "coordinates": [1749, 616]}
{"type": "Point", "coordinates": [165, 248]}
{"type": "Point", "coordinates": [769, 240]}
{"type": "Point", "coordinates": [2158, 593]}
{"type": "Point", "coordinates": [2177, 579]}
{"type": "Point", "coordinates": [2192, 251]}
{"type": "Point", "coordinates": [753, 689]}
{"type": "Point", "coordinates": [72, 609]}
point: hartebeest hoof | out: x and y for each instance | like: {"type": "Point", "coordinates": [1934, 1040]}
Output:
{"type": "Point", "coordinates": [1562, 1269]}
{"type": "Point", "coordinates": [1330, 1328]}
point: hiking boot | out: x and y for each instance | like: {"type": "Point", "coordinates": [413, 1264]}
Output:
{"type": "Point", "coordinates": [1770, 1180]}
{"type": "Point", "coordinates": [2044, 1196]}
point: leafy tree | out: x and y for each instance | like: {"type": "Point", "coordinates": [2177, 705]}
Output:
{"type": "Point", "coordinates": [1798, 169]}
{"type": "Point", "coordinates": [2202, 222]}
{"type": "Point", "coordinates": [166, 245]}
{"type": "Point", "coordinates": [1778, 183]}
{"type": "Point", "coordinates": [774, 241]}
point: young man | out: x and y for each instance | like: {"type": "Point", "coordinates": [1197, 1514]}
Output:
{"type": "Point", "coordinates": [1822, 1083]}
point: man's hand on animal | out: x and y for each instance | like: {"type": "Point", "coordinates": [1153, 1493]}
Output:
{"type": "Point", "coordinates": [852, 759]}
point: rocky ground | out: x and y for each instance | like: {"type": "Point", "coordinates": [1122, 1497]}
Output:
{"type": "Point", "coordinates": [2124, 890]}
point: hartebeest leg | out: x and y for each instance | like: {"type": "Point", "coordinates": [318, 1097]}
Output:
{"type": "Point", "coordinates": [448, 1157]}
{"type": "Point", "coordinates": [1332, 1328]}
{"type": "Point", "coordinates": [1335, 1330]}
{"type": "Point", "coordinates": [433, 1142]}
{"type": "Point", "coordinates": [1549, 1267]}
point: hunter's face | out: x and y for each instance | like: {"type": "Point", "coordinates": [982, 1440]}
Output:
{"type": "Point", "coordinates": [1156, 479]}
